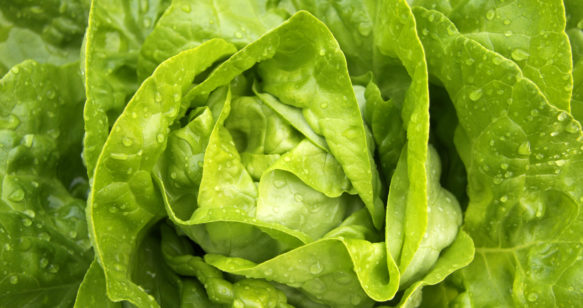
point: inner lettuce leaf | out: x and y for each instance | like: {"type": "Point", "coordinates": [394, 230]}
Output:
{"type": "Point", "coordinates": [238, 160]}
{"type": "Point", "coordinates": [522, 155]}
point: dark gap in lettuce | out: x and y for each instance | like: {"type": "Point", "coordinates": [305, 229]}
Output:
{"type": "Point", "coordinates": [442, 128]}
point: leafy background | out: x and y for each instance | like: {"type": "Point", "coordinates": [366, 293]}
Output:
{"type": "Point", "coordinates": [448, 131]}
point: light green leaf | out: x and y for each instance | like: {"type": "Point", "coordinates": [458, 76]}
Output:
{"type": "Point", "coordinates": [530, 33]}
{"type": "Point", "coordinates": [124, 202]}
{"type": "Point", "coordinates": [114, 36]}
{"type": "Point", "coordinates": [521, 153]}
{"type": "Point", "coordinates": [187, 24]}
{"type": "Point", "coordinates": [574, 11]}
{"type": "Point", "coordinates": [92, 291]}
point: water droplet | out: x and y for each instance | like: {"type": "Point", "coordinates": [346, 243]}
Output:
{"type": "Point", "coordinates": [17, 195]}
{"type": "Point", "coordinates": [562, 116]}
{"type": "Point", "coordinates": [507, 22]}
{"type": "Point", "coordinates": [355, 300]}
{"type": "Point", "coordinates": [364, 28]}
{"type": "Point", "coordinates": [519, 54]}
{"type": "Point", "coordinates": [173, 175]}
{"type": "Point", "coordinates": [554, 134]}
{"type": "Point", "coordinates": [16, 70]}
{"type": "Point", "coordinates": [27, 222]}
{"type": "Point", "coordinates": [119, 156]}
{"type": "Point", "coordinates": [186, 8]}
{"type": "Point", "coordinates": [316, 268]}
{"type": "Point", "coordinates": [323, 105]}
{"type": "Point", "coordinates": [53, 268]}
{"type": "Point", "coordinates": [298, 197]}
{"type": "Point", "coordinates": [476, 95]}
{"type": "Point", "coordinates": [27, 140]}
{"type": "Point", "coordinates": [425, 32]}
{"type": "Point", "coordinates": [7, 247]}
{"type": "Point", "coordinates": [176, 97]}
{"type": "Point", "coordinates": [51, 94]}
{"type": "Point", "coordinates": [279, 183]}
{"type": "Point", "coordinates": [532, 297]}
{"type": "Point", "coordinates": [44, 236]}
{"type": "Point", "coordinates": [30, 213]}
{"type": "Point", "coordinates": [127, 141]}
{"type": "Point", "coordinates": [504, 166]}
{"type": "Point", "coordinates": [524, 148]}
{"type": "Point", "coordinates": [72, 234]}
{"type": "Point", "coordinates": [503, 198]}
{"type": "Point", "coordinates": [490, 14]}
{"type": "Point", "coordinates": [572, 127]}
{"type": "Point", "coordinates": [508, 33]}
{"type": "Point", "coordinates": [14, 279]}
{"type": "Point", "coordinates": [118, 267]}
{"type": "Point", "coordinates": [44, 262]}
{"type": "Point", "coordinates": [160, 138]}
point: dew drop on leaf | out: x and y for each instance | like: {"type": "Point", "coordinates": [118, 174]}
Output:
{"type": "Point", "coordinates": [519, 54]}
{"type": "Point", "coordinates": [490, 14]}
{"type": "Point", "coordinates": [476, 95]}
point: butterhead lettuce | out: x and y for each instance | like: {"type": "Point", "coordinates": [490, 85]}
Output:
{"type": "Point", "coordinates": [379, 153]}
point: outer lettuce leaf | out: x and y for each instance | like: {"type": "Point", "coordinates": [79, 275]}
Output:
{"type": "Point", "coordinates": [92, 291]}
{"type": "Point", "coordinates": [45, 247]}
{"type": "Point", "coordinates": [530, 33]}
{"type": "Point", "coordinates": [574, 10]}
{"type": "Point", "coordinates": [124, 202]}
{"type": "Point", "coordinates": [187, 24]}
{"type": "Point", "coordinates": [114, 36]}
{"type": "Point", "coordinates": [522, 155]}
{"type": "Point", "coordinates": [47, 32]}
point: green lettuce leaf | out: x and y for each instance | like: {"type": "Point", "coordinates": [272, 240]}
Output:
{"type": "Point", "coordinates": [124, 202]}
{"type": "Point", "coordinates": [186, 24]}
{"type": "Point", "coordinates": [530, 33]}
{"type": "Point", "coordinates": [574, 10]}
{"type": "Point", "coordinates": [45, 246]}
{"type": "Point", "coordinates": [47, 32]}
{"type": "Point", "coordinates": [522, 155]}
{"type": "Point", "coordinates": [115, 33]}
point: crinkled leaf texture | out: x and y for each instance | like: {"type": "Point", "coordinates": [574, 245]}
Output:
{"type": "Point", "coordinates": [523, 157]}
{"type": "Point", "coordinates": [45, 247]}
{"type": "Point", "coordinates": [236, 159]}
